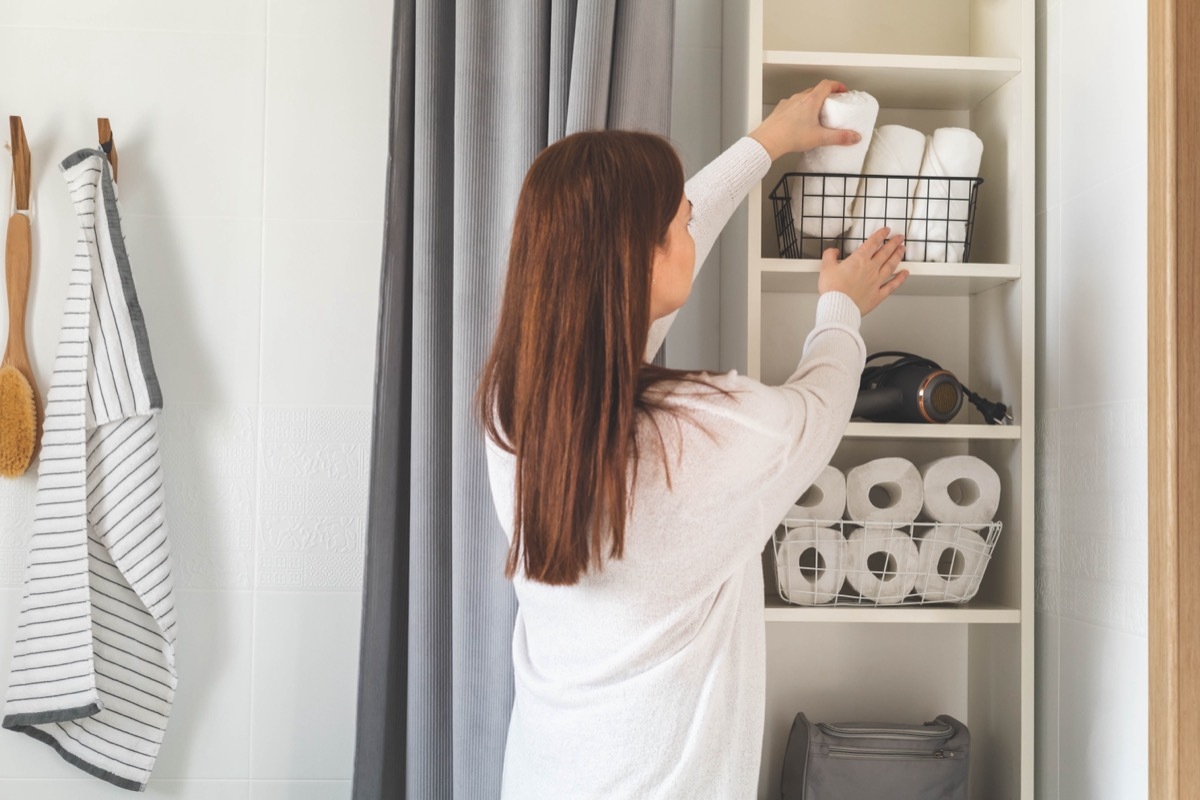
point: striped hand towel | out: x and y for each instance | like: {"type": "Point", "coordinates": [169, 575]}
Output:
{"type": "Point", "coordinates": [93, 667]}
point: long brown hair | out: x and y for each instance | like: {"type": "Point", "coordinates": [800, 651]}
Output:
{"type": "Point", "coordinates": [566, 377]}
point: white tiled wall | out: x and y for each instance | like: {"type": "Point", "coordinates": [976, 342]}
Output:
{"type": "Point", "coordinates": [253, 139]}
{"type": "Point", "coordinates": [1092, 439]}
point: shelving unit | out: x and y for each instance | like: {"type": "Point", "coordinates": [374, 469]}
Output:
{"type": "Point", "coordinates": [952, 432]}
{"type": "Point", "coordinates": [930, 63]}
{"type": "Point", "coordinates": [897, 81]}
{"type": "Point", "coordinates": [779, 611]}
{"type": "Point", "coordinates": [936, 280]}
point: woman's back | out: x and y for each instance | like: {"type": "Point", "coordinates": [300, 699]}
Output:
{"type": "Point", "coordinates": [645, 678]}
{"type": "Point", "coordinates": [645, 496]}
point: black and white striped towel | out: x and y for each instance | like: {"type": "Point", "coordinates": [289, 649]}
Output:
{"type": "Point", "coordinates": [93, 667]}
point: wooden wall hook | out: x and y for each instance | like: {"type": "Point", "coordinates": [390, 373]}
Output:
{"type": "Point", "coordinates": [107, 143]}
{"type": "Point", "coordinates": [20, 157]}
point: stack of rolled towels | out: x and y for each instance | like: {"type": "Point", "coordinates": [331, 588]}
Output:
{"type": "Point", "coordinates": [852, 537]}
{"type": "Point", "coordinates": [922, 201]}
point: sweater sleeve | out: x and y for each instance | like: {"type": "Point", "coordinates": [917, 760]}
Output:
{"type": "Point", "coordinates": [772, 442]}
{"type": "Point", "coordinates": [813, 407]}
{"type": "Point", "coordinates": [715, 192]}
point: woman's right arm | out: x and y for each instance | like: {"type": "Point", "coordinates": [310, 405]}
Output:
{"type": "Point", "coordinates": [787, 434]}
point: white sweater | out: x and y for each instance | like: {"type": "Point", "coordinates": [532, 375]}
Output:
{"type": "Point", "coordinates": [646, 678]}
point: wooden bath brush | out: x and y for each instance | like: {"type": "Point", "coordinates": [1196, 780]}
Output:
{"type": "Point", "coordinates": [19, 407]}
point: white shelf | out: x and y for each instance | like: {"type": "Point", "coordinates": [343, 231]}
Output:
{"type": "Point", "coordinates": [941, 280]}
{"type": "Point", "coordinates": [912, 430]}
{"type": "Point", "coordinates": [992, 613]}
{"type": "Point", "coordinates": [984, 80]}
{"type": "Point", "coordinates": [896, 81]}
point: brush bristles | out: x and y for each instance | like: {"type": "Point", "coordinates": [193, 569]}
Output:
{"type": "Point", "coordinates": [18, 423]}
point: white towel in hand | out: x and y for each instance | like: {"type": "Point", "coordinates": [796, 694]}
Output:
{"type": "Point", "coordinates": [93, 665]}
{"type": "Point", "coordinates": [940, 207]}
{"type": "Point", "coordinates": [827, 201]}
{"type": "Point", "coordinates": [883, 202]}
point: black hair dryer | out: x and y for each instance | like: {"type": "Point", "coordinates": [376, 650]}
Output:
{"type": "Point", "coordinates": [916, 389]}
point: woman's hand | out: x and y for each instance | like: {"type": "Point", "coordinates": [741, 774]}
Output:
{"type": "Point", "coordinates": [795, 124]}
{"type": "Point", "coordinates": [869, 275]}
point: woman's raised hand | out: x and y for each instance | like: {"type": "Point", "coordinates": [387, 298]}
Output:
{"type": "Point", "coordinates": [795, 125]}
{"type": "Point", "coordinates": [869, 275]}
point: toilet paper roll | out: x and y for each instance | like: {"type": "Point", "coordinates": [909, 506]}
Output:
{"type": "Point", "coordinates": [825, 499]}
{"type": "Point", "coordinates": [810, 565]}
{"type": "Point", "coordinates": [881, 563]}
{"type": "Point", "coordinates": [940, 208]}
{"type": "Point", "coordinates": [827, 201]}
{"type": "Point", "coordinates": [883, 202]}
{"type": "Point", "coordinates": [884, 490]}
{"type": "Point", "coordinates": [960, 489]}
{"type": "Point", "coordinates": [950, 564]}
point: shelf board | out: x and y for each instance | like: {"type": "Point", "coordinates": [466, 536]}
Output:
{"type": "Point", "coordinates": [973, 612]}
{"type": "Point", "coordinates": [942, 280]}
{"type": "Point", "coordinates": [896, 81]}
{"type": "Point", "coordinates": [911, 430]}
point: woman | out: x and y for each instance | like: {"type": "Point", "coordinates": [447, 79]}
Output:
{"type": "Point", "coordinates": [637, 499]}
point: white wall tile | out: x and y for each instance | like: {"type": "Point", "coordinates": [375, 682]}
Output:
{"type": "Point", "coordinates": [198, 281]}
{"type": "Point", "coordinates": [345, 18]}
{"type": "Point", "coordinates": [300, 790]}
{"type": "Point", "coordinates": [327, 126]}
{"type": "Point", "coordinates": [189, 134]}
{"type": "Point", "coordinates": [92, 789]}
{"type": "Point", "coordinates": [1102, 508]}
{"type": "Point", "coordinates": [241, 312]}
{"type": "Point", "coordinates": [16, 519]}
{"type": "Point", "coordinates": [217, 16]}
{"type": "Point", "coordinates": [313, 479]}
{"type": "Point", "coordinates": [1091, 582]}
{"type": "Point", "coordinates": [305, 685]}
{"type": "Point", "coordinates": [1102, 712]}
{"type": "Point", "coordinates": [1103, 293]}
{"type": "Point", "coordinates": [210, 458]}
{"type": "Point", "coordinates": [1104, 124]}
{"type": "Point", "coordinates": [320, 295]}
{"type": "Point", "coordinates": [209, 733]}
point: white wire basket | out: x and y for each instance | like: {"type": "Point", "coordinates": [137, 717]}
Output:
{"type": "Point", "coordinates": [842, 562]}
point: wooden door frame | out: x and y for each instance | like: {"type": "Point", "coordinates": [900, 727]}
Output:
{"type": "Point", "coordinates": [1173, 396]}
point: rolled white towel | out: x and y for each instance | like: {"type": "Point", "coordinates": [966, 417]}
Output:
{"type": "Point", "coordinates": [940, 207]}
{"type": "Point", "coordinates": [825, 499]}
{"type": "Point", "coordinates": [887, 490]}
{"type": "Point", "coordinates": [883, 202]}
{"type": "Point", "coordinates": [827, 201]}
{"type": "Point", "coordinates": [881, 564]}
{"type": "Point", "coordinates": [809, 565]}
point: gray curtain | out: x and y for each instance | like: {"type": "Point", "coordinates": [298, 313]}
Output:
{"type": "Point", "coordinates": [479, 88]}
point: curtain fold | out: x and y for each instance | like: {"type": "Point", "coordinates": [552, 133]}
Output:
{"type": "Point", "coordinates": [480, 87]}
{"type": "Point", "coordinates": [381, 730]}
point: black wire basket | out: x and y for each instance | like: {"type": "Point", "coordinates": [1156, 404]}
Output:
{"type": "Point", "coordinates": [935, 215]}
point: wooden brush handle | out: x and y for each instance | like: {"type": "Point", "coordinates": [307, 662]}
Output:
{"type": "Point", "coordinates": [20, 157]}
{"type": "Point", "coordinates": [17, 270]}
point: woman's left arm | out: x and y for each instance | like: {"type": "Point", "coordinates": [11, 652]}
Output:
{"type": "Point", "coordinates": [715, 191]}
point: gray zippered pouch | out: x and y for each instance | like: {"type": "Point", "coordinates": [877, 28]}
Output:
{"type": "Point", "coordinates": [876, 761]}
